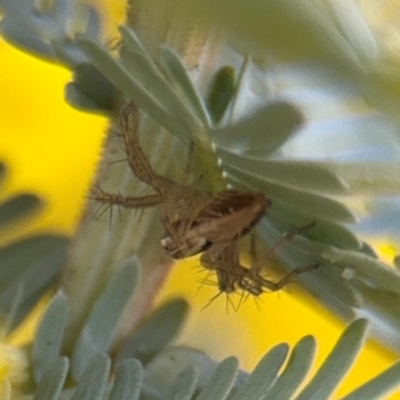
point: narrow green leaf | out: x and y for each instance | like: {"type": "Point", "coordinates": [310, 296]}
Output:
{"type": "Point", "coordinates": [155, 333]}
{"type": "Point", "coordinates": [58, 10]}
{"type": "Point", "coordinates": [305, 175]}
{"type": "Point", "coordinates": [221, 92]}
{"type": "Point", "coordinates": [382, 309]}
{"type": "Point", "coordinates": [326, 281]}
{"type": "Point", "coordinates": [118, 75]}
{"type": "Point", "coordinates": [296, 370]}
{"type": "Point", "coordinates": [11, 318]}
{"type": "Point", "coordinates": [25, 39]}
{"type": "Point", "coordinates": [52, 381]}
{"type": "Point", "coordinates": [176, 68]}
{"type": "Point", "coordinates": [148, 393]}
{"type": "Point", "coordinates": [18, 207]}
{"type": "Point", "coordinates": [68, 53]}
{"type": "Point", "coordinates": [49, 336]}
{"type": "Point", "coordinates": [132, 42]}
{"type": "Point", "coordinates": [378, 387]}
{"type": "Point", "coordinates": [366, 178]}
{"type": "Point", "coordinates": [90, 90]}
{"type": "Point", "coordinates": [365, 268]}
{"type": "Point", "coordinates": [221, 382]}
{"type": "Point", "coordinates": [77, 99]}
{"type": "Point", "coordinates": [160, 89]}
{"type": "Point", "coordinates": [33, 264]}
{"type": "Point", "coordinates": [313, 205]}
{"type": "Point", "coordinates": [232, 109]}
{"type": "Point", "coordinates": [183, 386]}
{"type": "Point", "coordinates": [337, 363]}
{"type": "Point", "coordinates": [127, 381]}
{"type": "Point", "coordinates": [35, 280]}
{"type": "Point", "coordinates": [263, 375]}
{"type": "Point", "coordinates": [266, 130]}
{"type": "Point", "coordinates": [93, 23]}
{"type": "Point", "coordinates": [102, 323]}
{"type": "Point", "coordinates": [92, 384]}
{"type": "Point", "coordinates": [30, 253]}
{"type": "Point", "coordinates": [167, 365]}
{"type": "Point", "coordinates": [327, 232]}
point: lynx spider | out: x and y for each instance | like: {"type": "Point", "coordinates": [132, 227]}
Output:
{"type": "Point", "coordinates": [198, 221]}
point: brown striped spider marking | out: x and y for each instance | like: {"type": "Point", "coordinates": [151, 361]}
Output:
{"type": "Point", "coordinates": [198, 221]}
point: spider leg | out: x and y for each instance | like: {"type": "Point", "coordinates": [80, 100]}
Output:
{"type": "Point", "coordinates": [224, 259]}
{"type": "Point", "coordinates": [255, 266]}
{"type": "Point", "coordinates": [128, 202]}
{"type": "Point", "coordinates": [218, 258]}
{"type": "Point", "coordinates": [289, 278]}
{"type": "Point", "coordinates": [290, 235]}
{"type": "Point", "coordinates": [99, 210]}
{"type": "Point", "coordinates": [137, 160]}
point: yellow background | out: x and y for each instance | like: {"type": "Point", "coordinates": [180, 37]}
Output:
{"type": "Point", "coordinates": [52, 149]}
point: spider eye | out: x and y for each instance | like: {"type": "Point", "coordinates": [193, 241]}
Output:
{"type": "Point", "coordinates": [166, 242]}
{"type": "Point", "coordinates": [187, 247]}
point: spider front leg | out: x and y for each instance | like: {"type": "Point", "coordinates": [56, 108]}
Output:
{"type": "Point", "coordinates": [255, 267]}
{"type": "Point", "coordinates": [137, 160]}
{"type": "Point", "coordinates": [289, 278]}
{"type": "Point", "coordinates": [287, 237]}
{"type": "Point", "coordinates": [126, 201]}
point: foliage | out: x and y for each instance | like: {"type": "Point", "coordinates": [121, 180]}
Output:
{"type": "Point", "coordinates": [244, 152]}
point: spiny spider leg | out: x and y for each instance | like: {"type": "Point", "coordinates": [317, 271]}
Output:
{"type": "Point", "coordinates": [211, 300]}
{"type": "Point", "coordinates": [231, 274]}
{"type": "Point", "coordinates": [139, 165]}
{"type": "Point", "coordinates": [254, 270]}
{"type": "Point", "coordinates": [224, 259]}
{"type": "Point", "coordinates": [290, 235]}
{"type": "Point", "coordinates": [129, 202]}
{"type": "Point", "coordinates": [137, 160]}
{"type": "Point", "coordinates": [117, 161]}
{"type": "Point", "coordinates": [99, 210]}
{"type": "Point", "coordinates": [289, 278]}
